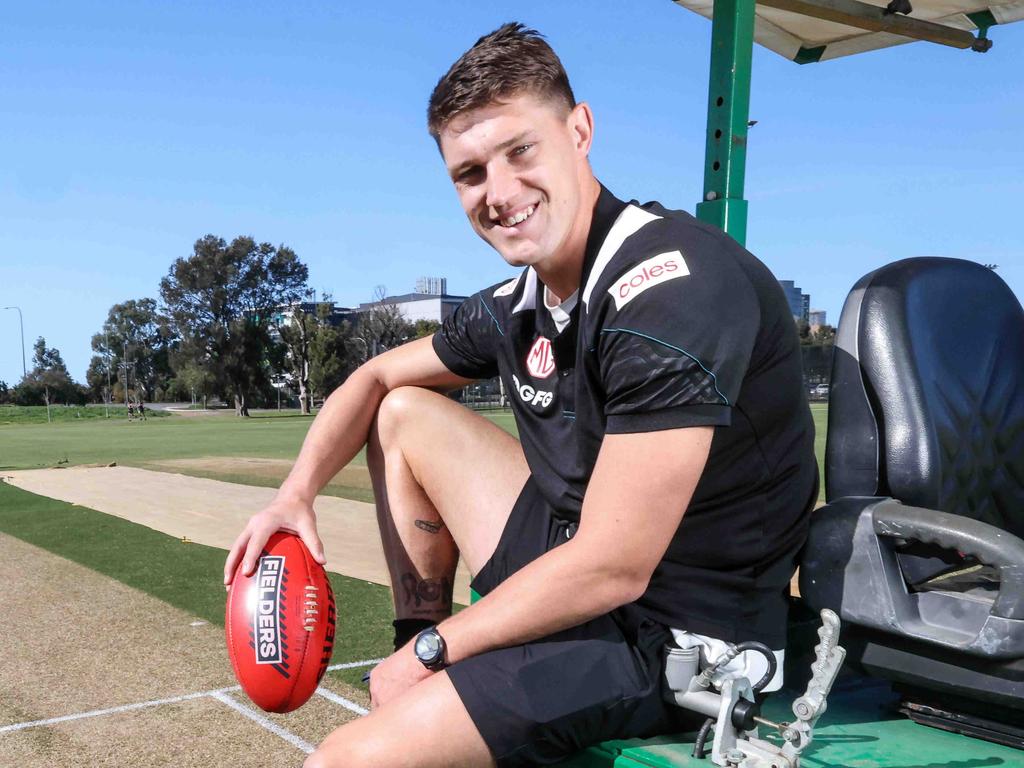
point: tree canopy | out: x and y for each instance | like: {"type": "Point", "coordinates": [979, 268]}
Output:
{"type": "Point", "coordinates": [220, 301]}
{"type": "Point", "coordinates": [48, 381]}
{"type": "Point", "coordinates": [136, 333]}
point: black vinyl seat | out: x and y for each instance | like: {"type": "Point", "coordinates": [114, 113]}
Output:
{"type": "Point", "coordinates": [920, 548]}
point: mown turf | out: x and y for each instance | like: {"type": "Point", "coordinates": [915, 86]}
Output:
{"type": "Point", "coordinates": [267, 479]}
{"type": "Point", "coordinates": [29, 446]}
{"type": "Point", "coordinates": [266, 435]}
{"type": "Point", "coordinates": [36, 414]}
{"type": "Point", "coordinates": [270, 436]}
{"type": "Point", "coordinates": [188, 576]}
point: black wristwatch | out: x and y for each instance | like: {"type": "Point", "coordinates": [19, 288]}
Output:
{"type": "Point", "coordinates": [430, 649]}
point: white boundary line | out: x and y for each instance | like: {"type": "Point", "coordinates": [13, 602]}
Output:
{"type": "Point", "coordinates": [341, 700]}
{"type": "Point", "coordinates": [260, 720]}
{"type": "Point", "coordinates": [216, 693]}
{"type": "Point", "coordinates": [354, 664]}
{"type": "Point", "coordinates": [101, 712]}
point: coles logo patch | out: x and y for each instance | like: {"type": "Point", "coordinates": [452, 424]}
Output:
{"type": "Point", "coordinates": [540, 362]}
{"type": "Point", "coordinates": [657, 269]}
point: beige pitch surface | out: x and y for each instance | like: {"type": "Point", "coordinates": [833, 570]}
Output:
{"type": "Point", "coordinates": [214, 512]}
{"type": "Point", "coordinates": [77, 642]}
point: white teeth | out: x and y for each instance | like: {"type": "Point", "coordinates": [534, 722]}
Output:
{"type": "Point", "coordinates": [520, 217]}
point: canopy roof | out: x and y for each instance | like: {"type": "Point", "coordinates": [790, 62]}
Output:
{"type": "Point", "coordinates": [816, 30]}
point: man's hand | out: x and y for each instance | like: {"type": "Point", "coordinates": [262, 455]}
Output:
{"type": "Point", "coordinates": [284, 513]}
{"type": "Point", "coordinates": [395, 675]}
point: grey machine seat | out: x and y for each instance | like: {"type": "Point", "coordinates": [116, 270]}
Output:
{"type": "Point", "coordinates": [919, 548]}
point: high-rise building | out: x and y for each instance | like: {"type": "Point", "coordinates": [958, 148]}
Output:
{"type": "Point", "coordinates": [432, 286]}
{"type": "Point", "coordinates": [799, 302]}
{"type": "Point", "coordinates": [816, 318]}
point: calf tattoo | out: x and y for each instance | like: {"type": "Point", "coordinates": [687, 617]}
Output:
{"type": "Point", "coordinates": [427, 595]}
{"type": "Point", "coordinates": [429, 526]}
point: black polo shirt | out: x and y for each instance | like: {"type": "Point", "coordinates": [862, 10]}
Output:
{"type": "Point", "coordinates": [676, 325]}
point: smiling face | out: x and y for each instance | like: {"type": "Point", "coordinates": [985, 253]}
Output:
{"type": "Point", "coordinates": [521, 172]}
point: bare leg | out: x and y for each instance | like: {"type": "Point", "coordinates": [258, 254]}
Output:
{"type": "Point", "coordinates": [425, 727]}
{"type": "Point", "coordinates": [445, 480]}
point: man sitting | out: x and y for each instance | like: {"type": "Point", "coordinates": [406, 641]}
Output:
{"type": "Point", "coordinates": [665, 470]}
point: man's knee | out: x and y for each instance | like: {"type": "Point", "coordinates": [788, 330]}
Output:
{"type": "Point", "coordinates": [399, 407]}
{"type": "Point", "coordinates": [318, 759]}
{"type": "Point", "coordinates": [333, 754]}
{"type": "Point", "coordinates": [339, 752]}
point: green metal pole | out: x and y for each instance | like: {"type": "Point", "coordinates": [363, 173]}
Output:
{"type": "Point", "coordinates": [732, 43]}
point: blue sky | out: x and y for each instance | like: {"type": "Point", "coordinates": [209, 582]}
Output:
{"type": "Point", "coordinates": [131, 129]}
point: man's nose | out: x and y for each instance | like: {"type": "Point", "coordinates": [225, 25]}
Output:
{"type": "Point", "coordinates": [502, 186]}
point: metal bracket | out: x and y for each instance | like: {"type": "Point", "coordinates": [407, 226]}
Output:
{"type": "Point", "coordinates": [737, 748]}
{"type": "Point", "coordinates": [873, 18]}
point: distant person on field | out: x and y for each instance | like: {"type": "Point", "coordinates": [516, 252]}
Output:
{"type": "Point", "coordinates": [661, 486]}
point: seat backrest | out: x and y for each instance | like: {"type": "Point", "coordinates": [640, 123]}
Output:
{"type": "Point", "coordinates": [927, 396]}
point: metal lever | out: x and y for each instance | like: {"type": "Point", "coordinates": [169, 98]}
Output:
{"type": "Point", "coordinates": [736, 741]}
{"type": "Point", "coordinates": [828, 658]}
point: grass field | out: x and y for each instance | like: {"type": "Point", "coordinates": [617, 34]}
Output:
{"type": "Point", "coordinates": [164, 444]}
{"type": "Point", "coordinates": [169, 444]}
{"type": "Point", "coordinates": [36, 414]}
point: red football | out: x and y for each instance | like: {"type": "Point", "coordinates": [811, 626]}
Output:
{"type": "Point", "coordinates": [279, 624]}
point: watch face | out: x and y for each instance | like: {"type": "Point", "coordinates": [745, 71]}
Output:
{"type": "Point", "coordinates": [428, 645]}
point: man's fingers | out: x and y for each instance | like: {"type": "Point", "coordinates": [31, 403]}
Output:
{"type": "Point", "coordinates": [257, 541]}
{"type": "Point", "coordinates": [233, 556]}
{"type": "Point", "coordinates": [310, 537]}
{"type": "Point", "coordinates": [250, 543]}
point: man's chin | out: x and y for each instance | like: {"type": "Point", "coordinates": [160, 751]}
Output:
{"type": "Point", "coordinates": [516, 257]}
{"type": "Point", "coordinates": [519, 260]}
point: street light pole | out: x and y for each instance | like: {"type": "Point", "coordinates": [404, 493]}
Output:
{"type": "Point", "coordinates": [124, 361]}
{"type": "Point", "coordinates": [110, 390]}
{"type": "Point", "coordinates": [21, 324]}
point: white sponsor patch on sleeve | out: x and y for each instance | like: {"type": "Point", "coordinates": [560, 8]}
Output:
{"type": "Point", "coordinates": [657, 269]}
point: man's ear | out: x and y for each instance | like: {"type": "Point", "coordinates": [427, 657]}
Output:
{"type": "Point", "coordinates": [581, 125]}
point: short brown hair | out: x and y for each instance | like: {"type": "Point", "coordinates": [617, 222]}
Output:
{"type": "Point", "coordinates": [511, 60]}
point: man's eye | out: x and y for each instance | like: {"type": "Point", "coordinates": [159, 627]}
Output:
{"type": "Point", "coordinates": [469, 176]}
{"type": "Point", "coordinates": [522, 149]}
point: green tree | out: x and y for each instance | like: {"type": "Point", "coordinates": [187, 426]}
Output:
{"type": "Point", "coordinates": [5, 393]}
{"type": "Point", "coordinates": [816, 348]}
{"type": "Point", "coordinates": [803, 330]}
{"type": "Point", "coordinates": [97, 377]}
{"type": "Point", "coordinates": [191, 381]}
{"type": "Point", "coordinates": [297, 328]}
{"type": "Point", "coordinates": [825, 334]}
{"type": "Point", "coordinates": [49, 381]}
{"type": "Point", "coordinates": [334, 352]}
{"type": "Point", "coordinates": [423, 328]}
{"type": "Point", "coordinates": [382, 326]}
{"type": "Point", "coordinates": [220, 301]}
{"type": "Point", "coordinates": [137, 334]}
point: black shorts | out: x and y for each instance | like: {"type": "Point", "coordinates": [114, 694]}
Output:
{"type": "Point", "coordinates": [540, 702]}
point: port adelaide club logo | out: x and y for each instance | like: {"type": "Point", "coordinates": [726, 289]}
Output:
{"type": "Point", "coordinates": [540, 362]}
{"type": "Point", "coordinates": [267, 617]}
